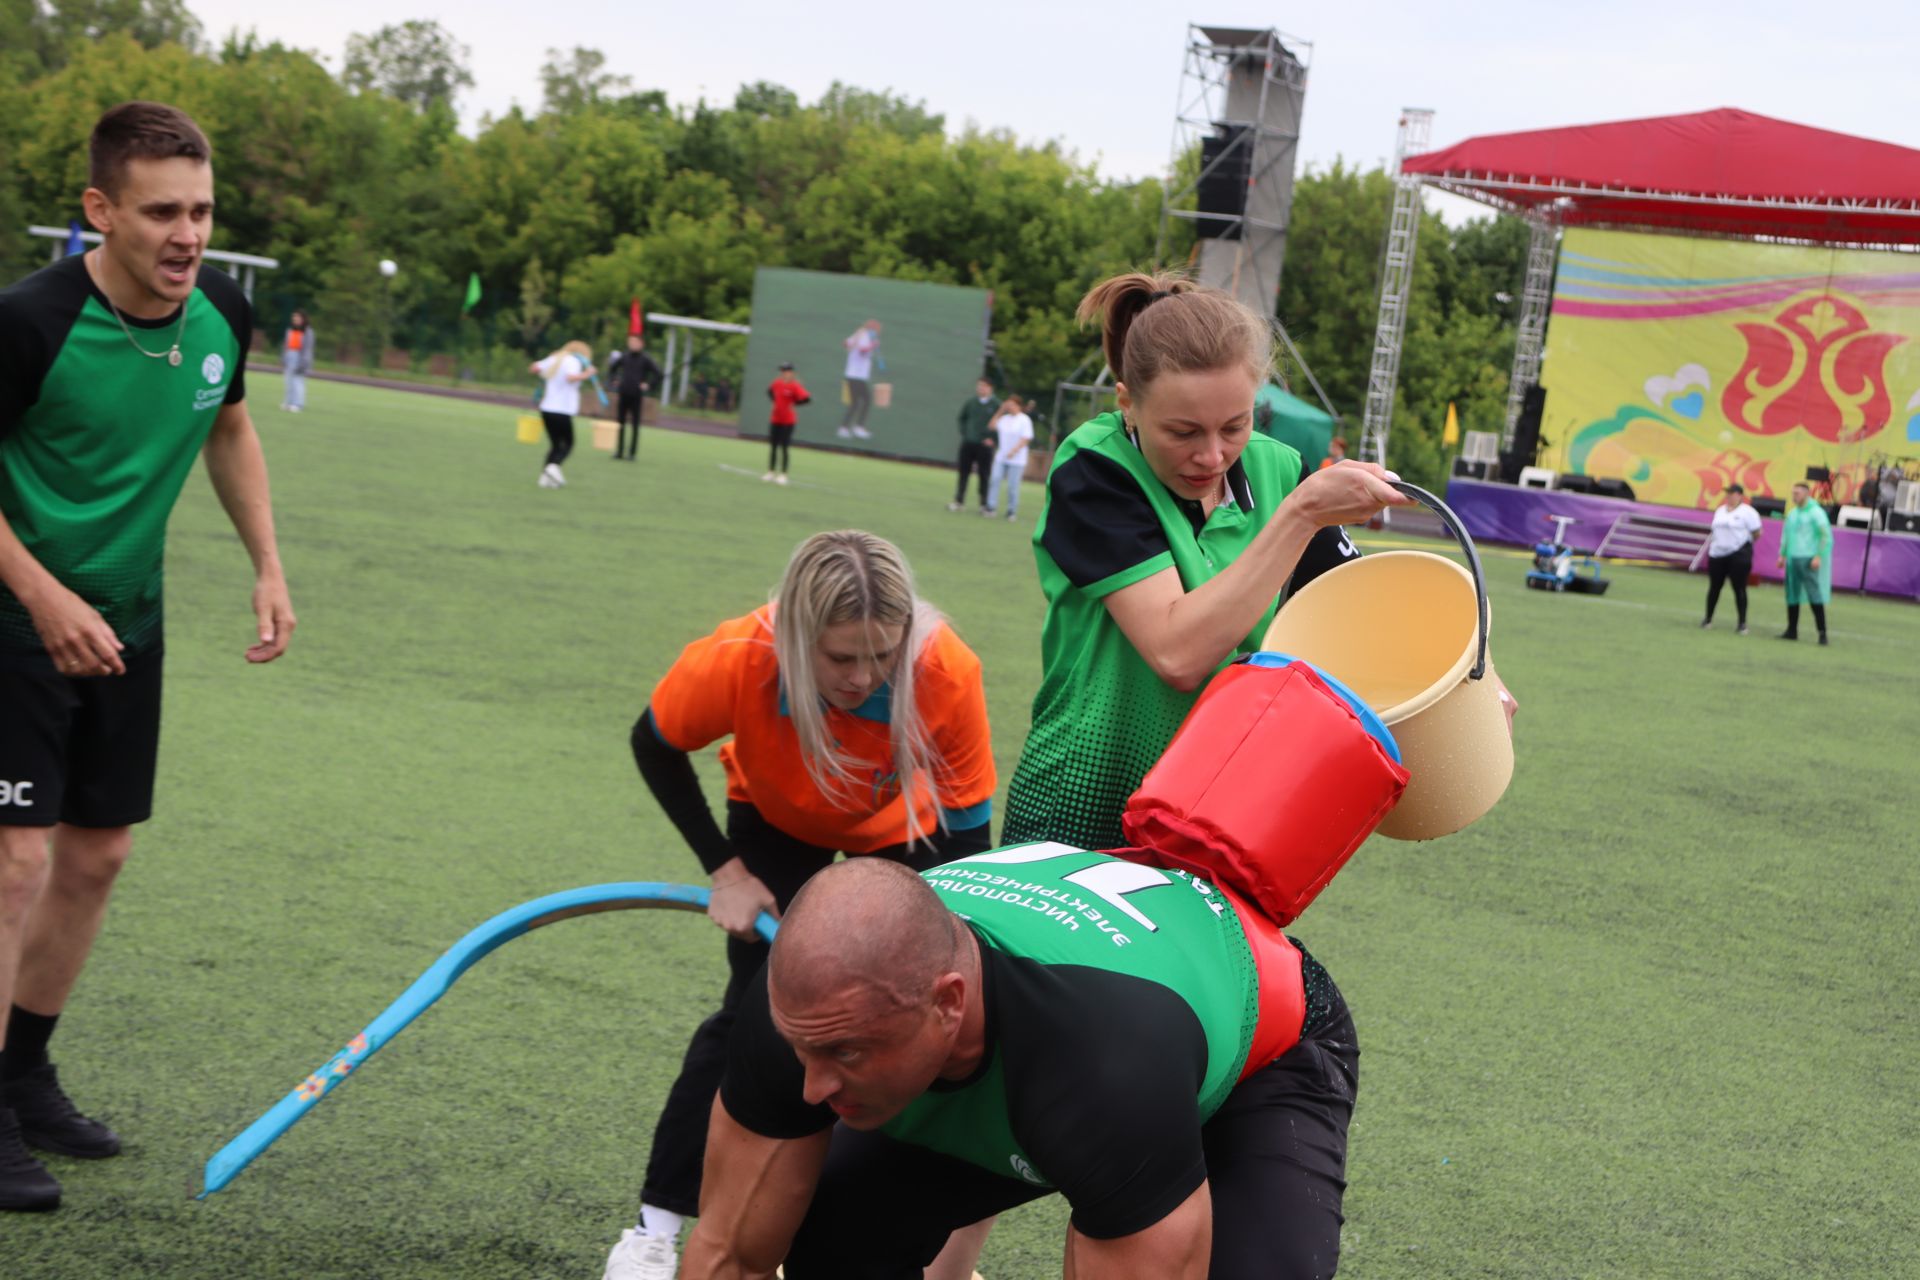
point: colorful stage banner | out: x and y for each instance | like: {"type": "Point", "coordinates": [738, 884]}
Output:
{"type": "Point", "coordinates": [1682, 365]}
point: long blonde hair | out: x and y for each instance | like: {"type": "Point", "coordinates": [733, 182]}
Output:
{"type": "Point", "coordinates": [851, 576]}
{"type": "Point", "coordinates": [574, 348]}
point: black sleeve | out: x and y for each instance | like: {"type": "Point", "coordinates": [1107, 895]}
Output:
{"type": "Point", "coordinates": [763, 1087]}
{"type": "Point", "coordinates": [669, 775]}
{"type": "Point", "coordinates": [1108, 1107]}
{"type": "Point", "coordinates": [225, 293]}
{"type": "Point", "coordinates": [1098, 521]}
{"type": "Point", "coordinates": [649, 371]}
{"type": "Point", "coordinates": [36, 315]}
{"type": "Point", "coordinates": [1327, 550]}
{"type": "Point", "coordinates": [769, 393]}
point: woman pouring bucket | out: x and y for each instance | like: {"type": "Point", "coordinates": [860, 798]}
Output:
{"type": "Point", "coordinates": [1171, 531]}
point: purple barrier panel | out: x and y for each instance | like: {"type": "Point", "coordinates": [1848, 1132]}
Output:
{"type": "Point", "coordinates": [1509, 513]}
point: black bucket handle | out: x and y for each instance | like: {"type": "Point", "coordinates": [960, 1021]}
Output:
{"type": "Point", "coordinates": [1459, 533]}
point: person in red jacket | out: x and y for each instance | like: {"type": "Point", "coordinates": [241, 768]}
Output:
{"type": "Point", "coordinates": [787, 395]}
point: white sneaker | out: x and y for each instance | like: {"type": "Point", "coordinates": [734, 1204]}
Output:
{"type": "Point", "coordinates": [767, 478]}
{"type": "Point", "coordinates": [552, 473]}
{"type": "Point", "coordinates": [546, 481]}
{"type": "Point", "coordinates": [861, 433]}
{"type": "Point", "coordinates": [781, 478]}
{"type": "Point", "coordinates": [843, 432]}
{"type": "Point", "coordinates": [640, 1256]}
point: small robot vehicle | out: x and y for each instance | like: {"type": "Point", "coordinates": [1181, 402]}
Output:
{"type": "Point", "coordinates": [1558, 567]}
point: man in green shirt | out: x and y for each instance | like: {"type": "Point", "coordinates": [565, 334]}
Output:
{"type": "Point", "coordinates": [925, 1051]}
{"type": "Point", "coordinates": [117, 368]}
{"type": "Point", "coordinates": [976, 452]}
{"type": "Point", "coordinates": [1806, 553]}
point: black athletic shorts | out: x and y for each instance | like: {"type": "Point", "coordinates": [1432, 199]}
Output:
{"type": "Point", "coordinates": [79, 750]}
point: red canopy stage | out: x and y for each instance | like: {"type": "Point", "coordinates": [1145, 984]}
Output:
{"type": "Point", "coordinates": [1724, 172]}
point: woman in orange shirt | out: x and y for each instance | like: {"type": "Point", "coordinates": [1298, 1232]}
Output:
{"type": "Point", "coordinates": [296, 357]}
{"type": "Point", "coordinates": [856, 723]}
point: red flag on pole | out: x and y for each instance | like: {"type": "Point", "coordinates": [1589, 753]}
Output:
{"type": "Point", "coordinates": [633, 319]}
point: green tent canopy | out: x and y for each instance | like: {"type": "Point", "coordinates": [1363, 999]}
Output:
{"type": "Point", "coordinates": [1291, 420]}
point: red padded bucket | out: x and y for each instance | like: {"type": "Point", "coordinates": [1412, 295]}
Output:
{"type": "Point", "coordinates": [1269, 786]}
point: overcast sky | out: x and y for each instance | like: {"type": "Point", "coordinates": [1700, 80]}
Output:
{"type": "Point", "coordinates": [1102, 77]}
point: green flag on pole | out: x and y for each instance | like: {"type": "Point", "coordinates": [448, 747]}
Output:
{"type": "Point", "coordinates": [473, 291]}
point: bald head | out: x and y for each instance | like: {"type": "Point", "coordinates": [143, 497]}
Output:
{"type": "Point", "coordinates": [865, 923]}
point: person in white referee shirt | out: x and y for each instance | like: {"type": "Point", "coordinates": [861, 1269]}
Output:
{"type": "Point", "coordinates": [1736, 526]}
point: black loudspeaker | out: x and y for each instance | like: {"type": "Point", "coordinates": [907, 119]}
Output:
{"type": "Point", "coordinates": [1526, 428]}
{"type": "Point", "coordinates": [1767, 508]}
{"type": "Point", "coordinates": [1575, 484]}
{"type": "Point", "coordinates": [1608, 487]}
{"type": "Point", "coordinates": [1475, 469]}
{"type": "Point", "coordinates": [1223, 185]}
{"type": "Point", "coordinates": [1900, 523]}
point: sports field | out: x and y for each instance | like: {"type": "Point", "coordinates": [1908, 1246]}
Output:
{"type": "Point", "coordinates": [1655, 1016]}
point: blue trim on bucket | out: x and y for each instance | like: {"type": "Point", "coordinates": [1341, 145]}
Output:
{"type": "Point", "coordinates": [1368, 720]}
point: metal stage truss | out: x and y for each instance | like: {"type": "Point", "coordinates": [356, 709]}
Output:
{"type": "Point", "coordinates": [1237, 132]}
{"type": "Point", "coordinates": [1396, 284]}
{"type": "Point", "coordinates": [1536, 300]}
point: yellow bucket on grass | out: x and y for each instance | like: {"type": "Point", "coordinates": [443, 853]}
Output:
{"type": "Point", "coordinates": [528, 429]}
{"type": "Point", "coordinates": [1407, 632]}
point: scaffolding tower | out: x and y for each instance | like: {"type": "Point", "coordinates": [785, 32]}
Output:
{"type": "Point", "coordinates": [1396, 283]}
{"type": "Point", "coordinates": [1242, 92]}
{"type": "Point", "coordinates": [1536, 299]}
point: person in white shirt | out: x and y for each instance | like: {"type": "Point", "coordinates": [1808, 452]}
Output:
{"type": "Point", "coordinates": [1736, 526]}
{"type": "Point", "coordinates": [562, 373]}
{"type": "Point", "coordinates": [1015, 431]}
{"type": "Point", "coordinates": [863, 348]}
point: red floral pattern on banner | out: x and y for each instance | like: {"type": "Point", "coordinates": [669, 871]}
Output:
{"type": "Point", "coordinates": [1816, 367]}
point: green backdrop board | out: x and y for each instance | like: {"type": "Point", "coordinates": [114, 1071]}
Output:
{"type": "Point", "coordinates": [932, 348]}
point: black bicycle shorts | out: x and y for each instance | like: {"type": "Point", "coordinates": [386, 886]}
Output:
{"type": "Point", "coordinates": [80, 750]}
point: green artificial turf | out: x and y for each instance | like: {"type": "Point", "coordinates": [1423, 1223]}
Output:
{"type": "Point", "coordinates": [1652, 1017]}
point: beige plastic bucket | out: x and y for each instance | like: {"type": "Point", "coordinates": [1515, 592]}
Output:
{"type": "Point", "coordinates": [1406, 631]}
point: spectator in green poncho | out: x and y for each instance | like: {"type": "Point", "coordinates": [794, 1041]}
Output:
{"type": "Point", "coordinates": [1806, 553]}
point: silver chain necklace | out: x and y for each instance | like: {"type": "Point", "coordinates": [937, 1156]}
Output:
{"type": "Point", "coordinates": [171, 355]}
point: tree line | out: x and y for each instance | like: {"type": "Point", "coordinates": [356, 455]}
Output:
{"type": "Point", "coordinates": [607, 191]}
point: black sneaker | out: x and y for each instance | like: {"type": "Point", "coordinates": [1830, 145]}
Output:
{"type": "Point", "coordinates": [50, 1121]}
{"type": "Point", "coordinates": [1823, 637]}
{"type": "Point", "coordinates": [1789, 635]}
{"type": "Point", "coordinates": [25, 1184]}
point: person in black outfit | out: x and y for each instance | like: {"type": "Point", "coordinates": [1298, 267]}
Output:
{"type": "Point", "coordinates": [634, 374]}
{"type": "Point", "coordinates": [976, 443]}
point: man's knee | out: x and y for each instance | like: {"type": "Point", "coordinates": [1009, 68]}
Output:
{"type": "Point", "coordinates": [23, 869]}
{"type": "Point", "coordinates": [87, 860]}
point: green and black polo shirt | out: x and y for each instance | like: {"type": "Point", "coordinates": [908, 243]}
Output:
{"type": "Point", "coordinates": [1120, 1004]}
{"type": "Point", "coordinates": [1103, 716]}
{"type": "Point", "coordinates": [96, 439]}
